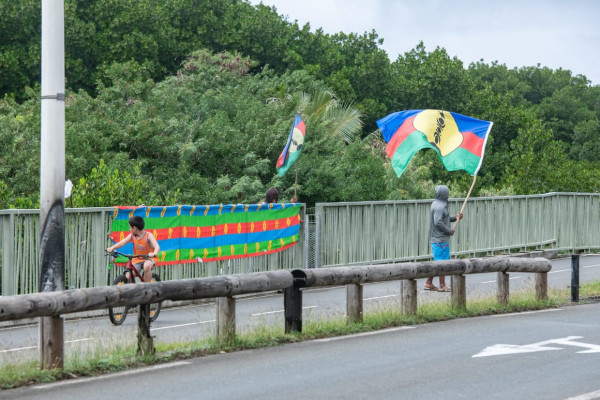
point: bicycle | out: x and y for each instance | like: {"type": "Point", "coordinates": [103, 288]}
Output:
{"type": "Point", "coordinates": [117, 315]}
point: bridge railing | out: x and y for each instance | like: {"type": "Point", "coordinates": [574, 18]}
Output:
{"type": "Point", "coordinates": [396, 231]}
{"type": "Point", "coordinates": [336, 234]}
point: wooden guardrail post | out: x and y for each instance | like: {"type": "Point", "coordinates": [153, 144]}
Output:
{"type": "Point", "coordinates": [503, 288]}
{"type": "Point", "coordinates": [541, 285]}
{"type": "Point", "coordinates": [226, 319]}
{"type": "Point", "coordinates": [354, 303]}
{"type": "Point", "coordinates": [458, 297]}
{"type": "Point", "coordinates": [52, 342]}
{"type": "Point", "coordinates": [292, 303]}
{"type": "Point", "coordinates": [145, 340]}
{"type": "Point", "coordinates": [408, 288]}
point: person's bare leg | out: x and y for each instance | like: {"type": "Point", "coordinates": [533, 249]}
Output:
{"type": "Point", "coordinates": [148, 271]}
{"type": "Point", "coordinates": [429, 284]}
{"type": "Point", "coordinates": [443, 283]}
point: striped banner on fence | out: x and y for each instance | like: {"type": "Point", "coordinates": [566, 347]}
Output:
{"type": "Point", "coordinates": [189, 234]}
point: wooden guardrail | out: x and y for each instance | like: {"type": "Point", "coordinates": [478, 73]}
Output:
{"type": "Point", "coordinates": [224, 288]}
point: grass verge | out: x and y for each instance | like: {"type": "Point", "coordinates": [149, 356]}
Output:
{"type": "Point", "coordinates": [119, 359]}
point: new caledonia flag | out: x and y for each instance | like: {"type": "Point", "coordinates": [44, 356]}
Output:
{"type": "Point", "coordinates": [291, 151]}
{"type": "Point", "coordinates": [458, 140]}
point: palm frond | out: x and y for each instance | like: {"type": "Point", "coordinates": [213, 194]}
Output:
{"type": "Point", "coordinates": [344, 121]}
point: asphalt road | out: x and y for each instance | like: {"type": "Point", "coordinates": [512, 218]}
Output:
{"type": "Point", "coordinates": [95, 335]}
{"type": "Point", "coordinates": [552, 354]}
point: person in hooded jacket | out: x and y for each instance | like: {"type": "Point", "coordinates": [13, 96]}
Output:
{"type": "Point", "coordinates": [440, 231]}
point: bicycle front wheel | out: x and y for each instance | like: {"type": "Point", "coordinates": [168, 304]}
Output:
{"type": "Point", "coordinates": [117, 315]}
{"type": "Point", "coordinates": [155, 307]}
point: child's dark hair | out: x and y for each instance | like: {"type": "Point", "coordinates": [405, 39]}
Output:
{"type": "Point", "coordinates": [272, 195]}
{"type": "Point", "coordinates": [137, 221]}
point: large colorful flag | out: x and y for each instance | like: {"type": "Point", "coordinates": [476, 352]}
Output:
{"type": "Point", "coordinates": [189, 234]}
{"type": "Point", "coordinates": [291, 151]}
{"type": "Point", "coordinates": [458, 140]}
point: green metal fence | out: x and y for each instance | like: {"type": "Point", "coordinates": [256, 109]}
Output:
{"type": "Point", "coordinates": [336, 234]}
{"type": "Point", "coordinates": [395, 231]}
{"type": "Point", "coordinates": [86, 239]}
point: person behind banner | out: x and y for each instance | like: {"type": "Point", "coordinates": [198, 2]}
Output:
{"type": "Point", "coordinates": [440, 231]}
{"type": "Point", "coordinates": [144, 243]}
{"type": "Point", "coordinates": [272, 195]}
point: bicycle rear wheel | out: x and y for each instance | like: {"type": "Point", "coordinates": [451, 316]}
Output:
{"type": "Point", "coordinates": [155, 307]}
{"type": "Point", "coordinates": [117, 315]}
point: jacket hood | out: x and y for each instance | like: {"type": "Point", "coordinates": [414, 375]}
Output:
{"type": "Point", "coordinates": [442, 192]}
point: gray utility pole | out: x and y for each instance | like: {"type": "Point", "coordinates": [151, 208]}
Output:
{"type": "Point", "coordinates": [52, 177]}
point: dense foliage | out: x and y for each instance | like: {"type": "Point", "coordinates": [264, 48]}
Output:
{"type": "Point", "coordinates": [178, 101]}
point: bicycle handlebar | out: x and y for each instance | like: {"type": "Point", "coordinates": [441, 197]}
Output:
{"type": "Point", "coordinates": [130, 256]}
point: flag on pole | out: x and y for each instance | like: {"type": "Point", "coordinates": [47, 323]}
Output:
{"type": "Point", "coordinates": [291, 151]}
{"type": "Point", "coordinates": [458, 140]}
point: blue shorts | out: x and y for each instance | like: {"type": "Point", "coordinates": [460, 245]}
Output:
{"type": "Point", "coordinates": [441, 251]}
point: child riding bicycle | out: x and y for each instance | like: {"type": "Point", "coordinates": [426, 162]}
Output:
{"type": "Point", "coordinates": [144, 243]}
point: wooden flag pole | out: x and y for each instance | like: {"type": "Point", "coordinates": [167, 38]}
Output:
{"type": "Point", "coordinates": [465, 202]}
{"type": "Point", "coordinates": [296, 184]}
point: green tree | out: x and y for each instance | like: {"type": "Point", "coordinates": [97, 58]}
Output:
{"type": "Point", "coordinates": [542, 165]}
{"type": "Point", "coordinates": [103, 187]}
{"type": "Point", "coordinates": [586, 145]}
{"type": "Point", "coordinates": [429, 80]}
{"type": "Point", "coordinates": [562, 111]}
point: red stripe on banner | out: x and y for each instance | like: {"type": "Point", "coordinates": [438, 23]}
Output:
{"type": "Point", "coordinates": [401, 134]}
{"type": "Point", "coordinates": [472, 143]}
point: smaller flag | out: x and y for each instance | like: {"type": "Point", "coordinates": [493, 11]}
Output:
{"type": "Point", "coordinates": [459, 141]}
{"type": "Point", "coordinates": [291, 151]}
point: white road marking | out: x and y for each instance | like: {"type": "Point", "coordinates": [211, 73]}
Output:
{"type": "Point", "coordinates": [525, 313]}
{"type": "Point", "coordinates": [8, 328]}
{"type": "Point", "coordinates": [504, 349]}
{"type": "Point", "coordinates": [182, 325]}
{"type": "Point", "coordinates": [277, 311]}
{"type": "Point", "coordinates": [586, 396]}
{"type": "Point", "coordinates": [115, 375]}
{"type": "Point", "coordinates": [35, 347]}
{"type": "Point", "coordinates": [380, 297]}
{"type": "Point", "coordinates": [18, 349]}
{"type": "Point", "coordinates": [399, 328]}
{"type": "Point", "coordinates": [494, 281]}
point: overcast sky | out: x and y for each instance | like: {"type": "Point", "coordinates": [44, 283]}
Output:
{"type": "Point", "coordinates": [554, 33]}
